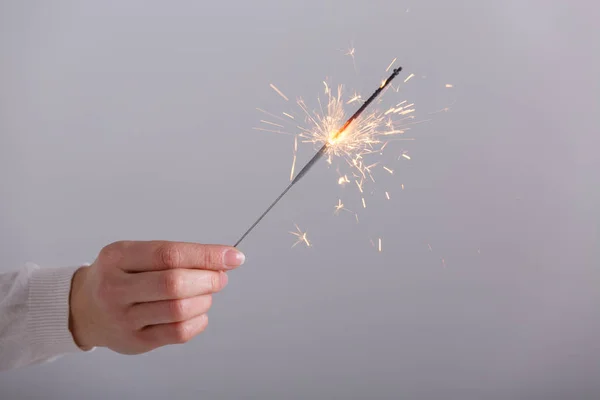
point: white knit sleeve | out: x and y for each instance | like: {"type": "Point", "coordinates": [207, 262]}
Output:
{"type": "Point", "coordinates": [34, 316]}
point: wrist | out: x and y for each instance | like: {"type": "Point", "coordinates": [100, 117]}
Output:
{"type": "Point", "coordinates": [79, 310]}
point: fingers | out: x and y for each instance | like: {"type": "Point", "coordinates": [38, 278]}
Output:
{"type": "Point", "coordinates": [174, 333]}
{"type": "Point", "coordinates": [138, 256]}
{"type": "Point", "coordinates": [172, 284]}
{"type": "Point", "coordinates": [169, 311]}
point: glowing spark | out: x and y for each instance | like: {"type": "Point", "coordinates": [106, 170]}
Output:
{"type": "Point", "coordinates": [359, 186]}
{"type": "Point", "coordinates": [391, 171]}
{"type": "Point", "coordinates": [340, 207]}
{"type": "Point", "coordinates": [294, 158]}
{"type": "Point", "coordinates": [343, 180]}
{"type": "Point", "coordinates": [272, 130]}
{"type": "Point", "coordinates": [279, 92]}
{"type": "Point", "coordinates": [364, 204]}
{"type": "Point", "coordinates": [271, 123]}
{"type": "Point", "coordinates": [445, 109]}
{"type": "Point", "coordinates": [356, 215]}
{"type": "Point", "coordinates": [302, 238]}
{"type": "Point", "coordinates": [288, 115]}
{"type": "Point", "coordinates": [390, 66]}
{"type": "Point", "coordinates": [351, 52]}
{"type": "Point", "coordinates": [387, 195]}
{"type": "Point", "coordinates": [408, 78]}
{"type": "Point", "coordinates": [406, 156]}
{"type": "Point", "coordinates": [269, 114]}
{"type": "Point", "coordinates": [380, 245]}
{"type": "Point", "coordinates": [402, 186]}
{"type": "Point", "coordinates": [293, 167]}
{"type": "Point", "coordinates": [448, 85]}
{"type": "Point", "coordinates": [354, 98]}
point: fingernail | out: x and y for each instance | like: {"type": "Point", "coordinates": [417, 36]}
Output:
{"type": "Point", "coordinates": [224, 279]}
{"type": "Point", "coordinates": [234, 258]}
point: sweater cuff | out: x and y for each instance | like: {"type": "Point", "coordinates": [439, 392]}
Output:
{"type": "Point", "coordinates": [48, 312]}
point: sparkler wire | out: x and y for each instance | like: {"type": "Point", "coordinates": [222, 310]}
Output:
{"type": "Point", "coordinates": [322, 151]}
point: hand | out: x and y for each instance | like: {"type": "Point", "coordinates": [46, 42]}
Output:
{"type": "Point", "coordinates": [138, 296]}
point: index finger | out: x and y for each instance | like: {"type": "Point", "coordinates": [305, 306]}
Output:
{"type": "Point", "coordinates": [138, 256]}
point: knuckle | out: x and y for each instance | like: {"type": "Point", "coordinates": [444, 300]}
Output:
{"type": "Point", "coordinates": [112, 253]}
{"type": "Point", "coordinates": [215, 282]}
{"type": "Point", "coordinates": [168, 255]}
{"type": "Point", "coordinates": [179, 309]}
{"type": "Point", "coordinates": [208, 302]}
{"type": "Point", "coordinates": [182, 333]}
{"type": "Point", "coordinates": [204, 323]}
{"type": "Point", "coordinates": [212, 257]}
{"type": "Point", "coordinates": [172, 284]}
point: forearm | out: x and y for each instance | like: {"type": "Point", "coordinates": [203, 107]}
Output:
{"type": "Point", "coordinates": [34, 316]}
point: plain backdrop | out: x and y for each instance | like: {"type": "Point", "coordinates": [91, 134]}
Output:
{"type": "Point", "coordinates": [133, 120]}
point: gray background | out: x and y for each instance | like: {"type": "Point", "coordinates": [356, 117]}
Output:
{"type": "Point", "coordinates": [132, 120]}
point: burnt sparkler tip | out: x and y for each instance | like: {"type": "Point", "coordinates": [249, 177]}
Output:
{"type": "Point", "coordinates": [397, 70]}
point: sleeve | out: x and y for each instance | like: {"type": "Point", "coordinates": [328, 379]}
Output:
{"type": "Point", "coordinates": [34, 316]}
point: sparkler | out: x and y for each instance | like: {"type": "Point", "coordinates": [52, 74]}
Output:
{"type": "Point", "coordinates": [329, 143]}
